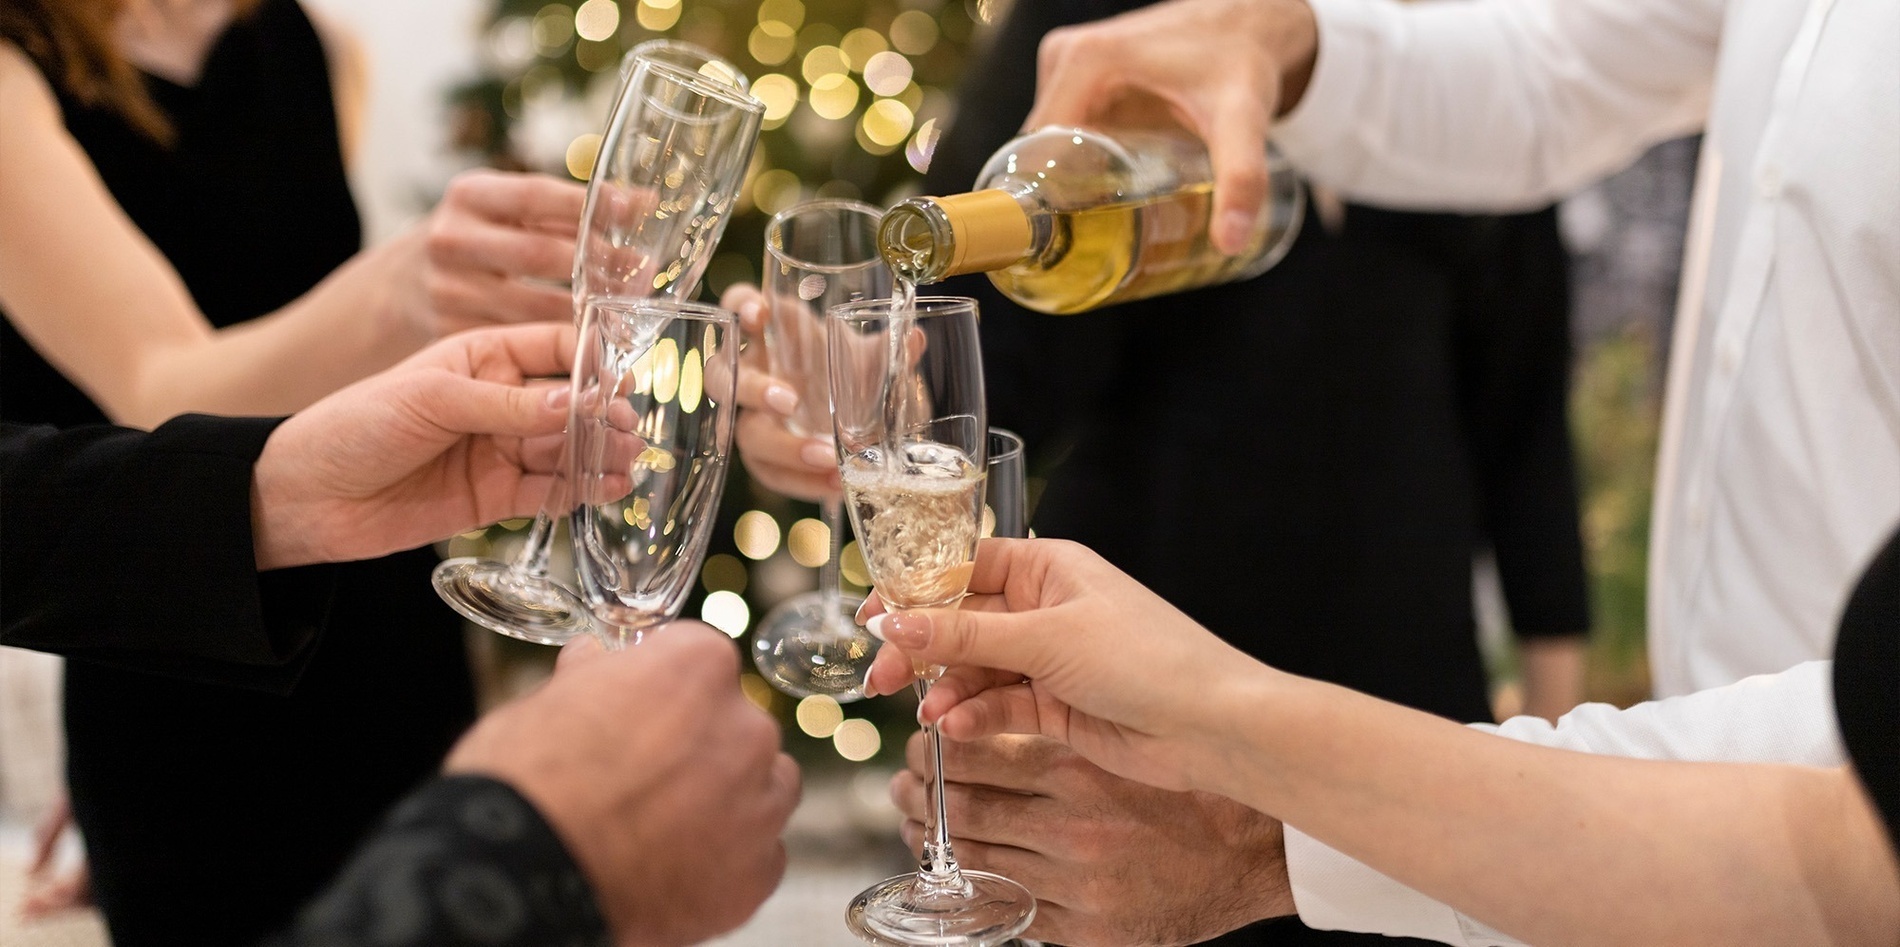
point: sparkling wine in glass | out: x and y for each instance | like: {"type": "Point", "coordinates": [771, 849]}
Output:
{"type": "Point", "coordinates": [655, 399]}
{"type": "Point", "coordinates": [669, 171]}
{"type": "Point", "coordinates": [818, 254]}
{"type": "Point", "coordinates": [913, 442]}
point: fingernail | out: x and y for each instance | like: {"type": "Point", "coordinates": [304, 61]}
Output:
{"type": "Point", "coordinates": [819, 454]}
{"type": "Point", "coordinates": [866, 689]}
{"type": "Point", "coordinates": [1235, 225]}
{"type": "Point", "coordinates": [557, 397]}
{"type": "Point", "coordinates": [907, 630]}
{"type": "Point", "coordinates": [750, 311]}
{"type": "Point", "coordinates": [782, 399]}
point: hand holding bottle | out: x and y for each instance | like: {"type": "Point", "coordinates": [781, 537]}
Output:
{"type": "Point", "coordinates": [1224, 68]}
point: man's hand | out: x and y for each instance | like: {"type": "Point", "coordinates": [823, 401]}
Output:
{"type": "Point", "coordinates": [805, 468]}
{"type": "Point", "coordinates": [1224, 68]}
{"type": "Point", "coordinates": [1111, 862]}
{"type": "Point", "coordinates": [451, 439]}
{"type": "Point", "coordinates": [498, 249]}
{"type": "Point", "coordinates": [665, 783]}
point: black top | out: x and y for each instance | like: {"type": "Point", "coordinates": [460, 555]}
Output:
{"type": "Point", "coordinates": [1867, 683]}
{"type": "Point", "coordinates": [1305, 462]}
{"type": "Point", "coordinates": [210, 811]}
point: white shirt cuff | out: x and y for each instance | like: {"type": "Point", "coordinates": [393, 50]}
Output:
{"type": "Point", "coordinates": [1352, 37]}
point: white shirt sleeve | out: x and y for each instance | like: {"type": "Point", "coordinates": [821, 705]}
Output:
{"type": "Point", "coordinates": [1779, 718]}
{"type": "Point", "coordinates": [1488, 106]}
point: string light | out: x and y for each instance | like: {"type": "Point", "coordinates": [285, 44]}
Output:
{"type": "Point", "coordinates": [834, 96]}
{"type": "Point", "coordinates": [597, 20]}
{"type": "Point", "coordinates": [779, 93]}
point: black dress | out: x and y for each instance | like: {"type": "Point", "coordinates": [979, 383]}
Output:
{"type": "Point", "coordinates": [211, 811]}
{"type": "Point", "coordinates": [1305, 462]}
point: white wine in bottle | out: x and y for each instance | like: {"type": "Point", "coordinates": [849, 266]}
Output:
{"type": "Point", "coordinates": [1065, 220]}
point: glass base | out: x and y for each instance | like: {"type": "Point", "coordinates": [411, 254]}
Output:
{"type": "Point", "coordinates": [905, 911]}
{"type": "Point", "coordinates": [803, 651]}
{"type": "Point", "coordinates": [504, 599]}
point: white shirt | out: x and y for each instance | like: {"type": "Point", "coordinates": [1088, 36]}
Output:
{"type": "Point", "coordinates": [1780, 466]}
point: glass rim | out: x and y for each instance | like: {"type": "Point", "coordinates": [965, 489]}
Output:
{"type": "Point", "coordinates": [643, 53]}
{"type": "Point", "coordinates": [1011, 438]}
{"type": "Point", "coordinates": [701, 84]}
{"type": "Point", "coordinates": [924, 307]}
{"type": "Point", "coordinates": [873, 212]}
{"type": "Point", "coordinates": [679, 309]}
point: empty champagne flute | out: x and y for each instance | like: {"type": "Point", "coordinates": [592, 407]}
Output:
{"type": "Point", "coordinates": [818, 254]}
{"type": "Point", "coordinates": [670, 168]}
{"type": "Point", "coordinates": [913, 444]}
{"type": "Point", "coordinates": [654, 403]}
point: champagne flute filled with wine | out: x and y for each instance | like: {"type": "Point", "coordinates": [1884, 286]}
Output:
{"type": "Point", "coordinates": [913, 443]}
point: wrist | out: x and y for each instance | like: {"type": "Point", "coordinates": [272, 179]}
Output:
{"type": "Point", "coordinates": [1222, 738]}
{"type": "Point", "coordinates": [1293, 38]}
{"type": "Point", "coordinates": [276, 540]}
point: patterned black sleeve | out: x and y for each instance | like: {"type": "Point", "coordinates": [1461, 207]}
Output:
{"type": "Point", "coordinates": [465, 860]}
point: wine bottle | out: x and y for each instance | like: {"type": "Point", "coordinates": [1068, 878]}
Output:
{"type": "Point", "coordinates": [1066, 220]}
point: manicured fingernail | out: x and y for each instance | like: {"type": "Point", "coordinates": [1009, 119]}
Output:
{"type": "Point", "coordinates": [1235, 225]}
{"type": "Point", "coordinates": [904, 630]}
{"type": "Point", "coordinates": [782, 399]}
{"type": "Point", "coordinates": [750, 311]}
{"type": "Point", "coordinates": [819, 454]}
{"type": "Point", "coordinates": [557, 397]}
{"type": "Point", "coordinates": [867, 689]}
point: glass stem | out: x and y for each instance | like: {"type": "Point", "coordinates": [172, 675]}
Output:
{"type": "Point", "coordinates": [832, 509]}
{"type": "Point", "coordinates": [536, 549]}
{"type": "Point", "coordinates": [939, 866]}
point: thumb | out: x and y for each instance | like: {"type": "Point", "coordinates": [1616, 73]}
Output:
{"type": "Point", "coordinates": [1237, 150]}
{"type": "Point", "coordinates": [466, 406]}
{"type": "Point", "coordinates": [1005, 641]}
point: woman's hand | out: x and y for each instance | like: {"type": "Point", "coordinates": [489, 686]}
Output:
{"type": "Point", "coordinates": [1055, 641]}
{"type": "Point", "coordinates": [498, 249]}
{"type": "Point", "coordinates": [1224, 68]}
{"type": "Point", "coordinates": [804, 468]}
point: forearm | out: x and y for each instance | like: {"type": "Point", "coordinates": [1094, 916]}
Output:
{"type": "Point", "coordinates": [1493, 105]}
{"type": "Point", "coordinates": [1690, 852]}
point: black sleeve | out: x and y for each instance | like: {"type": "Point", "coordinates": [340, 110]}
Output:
{"type": "Point", "coordinates": [134, 549]}
{"type": "Point", "coordinates": [464, 860]}
{"type": "Point", "coordinates": [1867, 683]}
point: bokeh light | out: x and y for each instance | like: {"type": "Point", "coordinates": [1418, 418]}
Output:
{"type": "Point", "coordinates": [887, 73]}
{"type": "Point", "coordinates": [834, 96]}
{"type": "Point", "coordinates": [597, 19]}
{"type": "Point", "coordinates": [779, 92]}
{"type": "Point", "coordinates": [692, 382]}
{"type": "Point", "coordinates": [851, 565]}
{"type": "Point", "coordinates": [857, 740]}
{"type": "Point", "coordinates": [581, 154]}
{"type": "Point", "coordinates": [726, 611]}
{"type": "Point", "coordinates": [658, 15]}
{"type": "Point", "coordinates": [757, 691]}
{"type": "Point", "coordinates": [776, 190]}
{"type": "Point", "coordinates": [887, 123]}
{"type": "Point", "coordinates": [914, 32]}
{"type": "Point", "coordinates": [923, 146]}
{"type": "Point", "coordinates": [809, 542]}
{"type": "Point", "coordinates": [819, 716]}
{"type": "Point", "coordinates": [666, 370]}
{"type": "Point", "coordinates": [860, 45]}
{"type": "Point", "coordinates": [553, 28]}
{"type": "Point", "coordinates": [789, 12]}
{"type": "Point", "coordinates": [772, 42]}
{"type": "Point", "coordinates": [824, 61]}
{"type": "Point", "coordinates": [756, 534]}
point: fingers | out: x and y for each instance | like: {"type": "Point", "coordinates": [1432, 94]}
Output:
{"type": "Point", "coordinates": [463, 244]}
{"type": "Point", "coordinates": [1002, 640]}
{"type": "Point", "coordinates": [758, 390]}
{"type": "Point", "coordinates": [506, 353]}
{"type": "Point", "coordinates": [746, 300]}
{"type": "Point", "coordinates": [466, 300]}
{"type": "Point", "coordinates": [1072, 77]}
{"type": "Point", "coordinates": [465, 406]}
{"type": "Point", "coordinates": [537, 199]}
{"type": "Point", "coordinates": [46, 835]}
{"type": "Point", "coordinates": [999, 710]}
{"type": "Point", "coordinates": [577, 653]}
{"type": "Point", "coordinates": [1237, 148]}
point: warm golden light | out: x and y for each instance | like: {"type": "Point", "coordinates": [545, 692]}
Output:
{"type": "Point", "coordinates": [887, 73]}
{"type": "Point", "coordinates": [823, 61]}
{"type": "Point", "coordinates": [553, 28]}
{"type": "Point", "coordinates": [776, 190]}
{"type": "Point", "coordinates": [692, 382]}
{"type": "Point", "coordinates": [809, 542]}
{"type": "Point", "coordinates": [914, 32]}
{"type": "Point", "coordinates": [658, 15]}
{"type": "Point", "coordinates": [923, 146]}
{"type": "Point", "coordinates": [819, 716]}
{"type": "Point", "coordinates": [851, 565]}
{"type": "Point", "coordinates": [834, 96]}
{"type": "Point", "coordinates": [860, 45]}
{"type": "Point", "coordinates": [789, 12]}
{"type": "Point", "coordinates": [581, 154]}
{"type": "Point", "coordinates": [757, 691]}
{"type": "Point", "coordinates": [779, 93]}
{"type": "Point", "coordinates": [887, 122]}
{"type": "Point", "coordinates": [756, 534]}
{"type": "Point", "coordinates": [727, 612]}
{"type": "Point", "coordinates": [724, 572]}
{"type": "Point", "coordinates": [666, 370]}
{"type": "Point", "coordinates": [772, 42]}
{"type": "Point", "coordinates": [857, 740]}
{"type": "Point", "coordinates": [597, 20]}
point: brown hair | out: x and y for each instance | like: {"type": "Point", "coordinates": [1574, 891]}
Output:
{"type": "Point", "coordinates": [74, 44]}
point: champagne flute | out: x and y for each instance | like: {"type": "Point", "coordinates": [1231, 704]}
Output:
{"type": "Point", "coordinates": [908, 410]}
{"type": "Point", "coordinates": [655, 396]}
{"type": "Point", "coordinates": [670, 168]}
{"type": "Point", "coordinates": [818, 254]}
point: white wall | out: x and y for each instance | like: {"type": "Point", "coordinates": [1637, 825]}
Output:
{"type": "Point", "coordinates": [417, 50]}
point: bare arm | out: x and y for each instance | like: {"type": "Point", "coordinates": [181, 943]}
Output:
{"type": "Point", "coordinates": [100, 303]}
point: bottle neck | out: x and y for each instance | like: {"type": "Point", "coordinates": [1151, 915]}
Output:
{"type": "Point", "coordinates": [929, 239]}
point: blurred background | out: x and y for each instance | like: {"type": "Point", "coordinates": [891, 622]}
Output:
{"type": "Point", "coordinates": [857, 92]}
